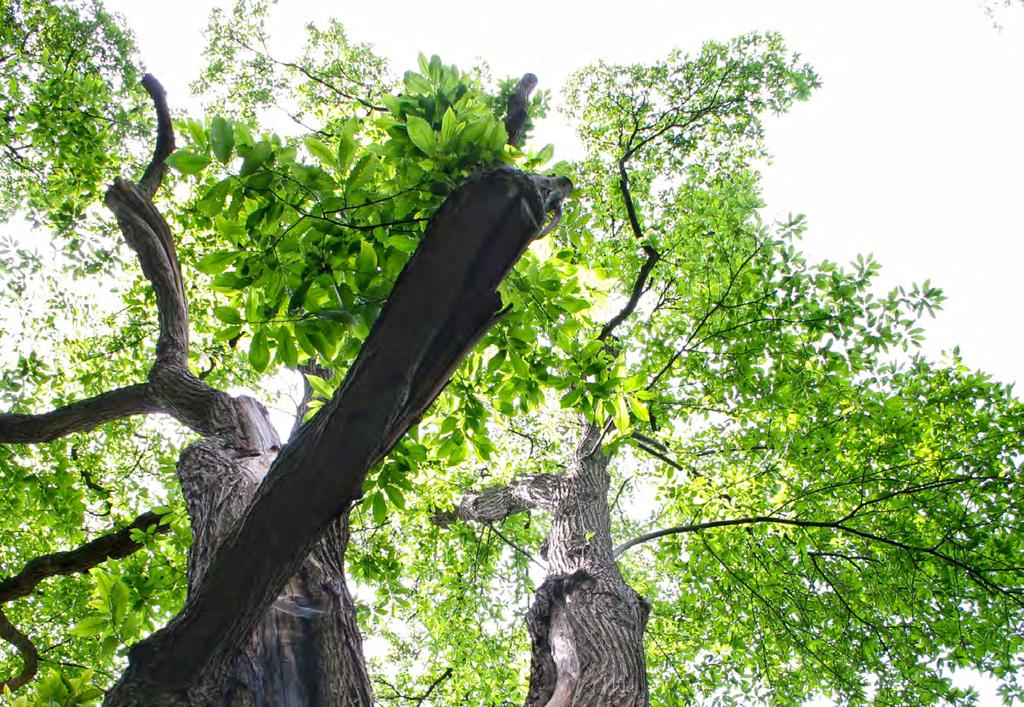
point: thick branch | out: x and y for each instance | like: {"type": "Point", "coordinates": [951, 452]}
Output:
{"type": "Point", "coordinates": [442, 303]}
{"type": "Point", "coordinates": [79, 416]}
{"type": "Point", "coordinates": [83, 558]}
{"type": "Point", "coordinates": [500, 502]}
{"type": "Point", "coordinates": [29, 654]}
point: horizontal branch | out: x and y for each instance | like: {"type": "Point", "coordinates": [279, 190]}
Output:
{"type": "Point", "coordinates": [500, 502]}
{"type": "Point", "coordinates": [83, 558]}
{"type": "Point", "coordinates": [80, 416]}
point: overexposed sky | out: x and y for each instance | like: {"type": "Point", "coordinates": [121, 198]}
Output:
{"type": "Point", "coordinates": [912, 150]}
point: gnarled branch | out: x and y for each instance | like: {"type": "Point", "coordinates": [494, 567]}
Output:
{"type": "Point", "coordinates": [79, 416]}
{"type": "Point", "coordinates": [172, 388]}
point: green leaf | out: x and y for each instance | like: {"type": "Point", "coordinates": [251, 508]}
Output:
{"type": "Point", "coordinates": [416, 84]}
{"type": "Point", "coordinates": [571, 398]}
{"type": "Point", "coordinates": [422, 135]}
{"type": "Point", "coordinates": [366, 261]}
{"type": "Point", "coordinates": [214, 263]}
{"type": "Point", "coordinates": [259, 351]}
{"type": "Point", "coordinates": [228, 315]}
{"type": "Point", "coordinates": [449, 127]}
{"type": "Point", "coordinates": [118, 598]}
{"type": "Point", "coordinates": [322, 387]}
{"type": "Point", "coordinates": [222, 139]}
{"type": "Point", "coordinates": [396, 496]}
{"type": "Point", "coordinates": [406, 244]}
{"type": "Point", "coordinates": [639, 409]}
{"type": "Point", "coordinates": [362, 172]}
{"type": "Point", "coordinates": [212, 202]}
{"type": "Point", "coordinates": [93, 625]}
{"type": "Point", "coordinates": [187, 162]}
{"type": "Point", "coordinates": [254, 157]}
{"type": "Point", "coordinates": [621, 413]}
{"type": "Point", "coordinates": [380, 508]}
{"type": "Point", "coordinates": [321, 151]}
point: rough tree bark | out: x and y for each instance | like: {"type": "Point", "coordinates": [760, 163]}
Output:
{"type": "Point", "coordinates": [586, 624]}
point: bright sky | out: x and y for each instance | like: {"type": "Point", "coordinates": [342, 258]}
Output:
{"type": "Point", "coordinates": [911, 151]}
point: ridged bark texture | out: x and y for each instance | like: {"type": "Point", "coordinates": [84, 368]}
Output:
{"type": "Point", "coordinates": [306, 649]}
{"type": "Point", "coordinates": [586, 624]}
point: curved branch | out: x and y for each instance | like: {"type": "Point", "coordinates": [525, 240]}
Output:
{"type": "Point", "coordinates": [146, 231]}
{"type": "Point", "coordinates": [29, 654]}
{"type": "Point", "coordinates": [79, 416]}
{"type": "Point", "coordinates": [154, 173]}
{"type": "Point", "coordinates": [652, 257]}
{"type": "Point", "coordinates": [83, 558]}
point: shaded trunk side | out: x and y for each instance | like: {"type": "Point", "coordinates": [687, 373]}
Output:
{"type": "Point", "coordinates": [306, 648]}
{"type": "Point", "coordinates": [586, 624]}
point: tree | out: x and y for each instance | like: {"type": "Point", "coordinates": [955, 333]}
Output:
{"type": "Point", "coordinates": [737, 484]}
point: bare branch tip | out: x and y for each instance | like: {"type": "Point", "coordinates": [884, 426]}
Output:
{"type": "Point", "coordinates": [150, 181]}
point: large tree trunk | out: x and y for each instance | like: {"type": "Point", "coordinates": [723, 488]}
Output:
{"type": "Point", "coordinates": [586, 624]}
{"type": "Point", "coordinates": [306, 649]}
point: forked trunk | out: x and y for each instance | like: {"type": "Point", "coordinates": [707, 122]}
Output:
{"type": "Point", "coordinates": [306, 649]}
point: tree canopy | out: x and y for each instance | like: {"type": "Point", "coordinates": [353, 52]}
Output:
{"type": "Point", "coordinates": [808, 504]}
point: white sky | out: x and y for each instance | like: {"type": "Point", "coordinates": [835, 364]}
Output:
{"type": "Point", "coordinates": [912, 150]}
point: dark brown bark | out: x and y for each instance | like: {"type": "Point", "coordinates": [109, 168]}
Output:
{"type": "Point", "coordinates": [26, 649]}
{"type": "Point", "coordinates": [443, 302]}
